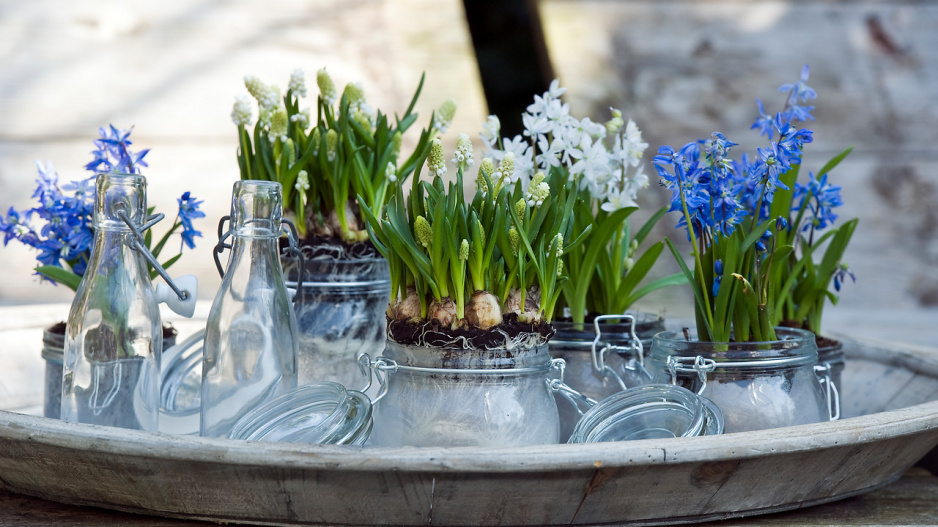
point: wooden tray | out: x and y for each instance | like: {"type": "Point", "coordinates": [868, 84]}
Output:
{"type": "Point", "coordinates": [640, 483]}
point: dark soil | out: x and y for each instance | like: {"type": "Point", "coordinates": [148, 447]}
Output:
{"type": "Point", "coordinates": [168, 330]}
{"type": "Point", "coordinates": [315, 246]}
{"type": "Point", "coordinates": [434, 334]}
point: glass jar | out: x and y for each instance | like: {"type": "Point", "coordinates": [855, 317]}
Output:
{"type": "Point", "coordinates": [113, 337]}
{"type": "Point", "coordinates": [654, 411]}
{"type": "Point", "coordinates": [757, 385]}
{"type": "Point", "coordinates": [340, 313]}
{"type": "Point", "coordinates": [181, 386]}
{"type": "Point", "coordinates": [459, 397]}
{"type": "Point", "coordinates": [319, 413]}
{"type": "Point", "coordinates": [619, 357]}
{"type": "Point", "coordinates": [249, 355]}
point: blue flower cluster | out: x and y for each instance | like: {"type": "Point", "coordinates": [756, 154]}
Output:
{"type": "Point", "coordinates": [719, 192]}
{"type": "Point", "coordinates": [66, 212]}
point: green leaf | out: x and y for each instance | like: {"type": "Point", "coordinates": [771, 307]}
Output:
{"type": "Point", "coordinates": [60, 276]}
{"type": "Point", "coordinates": [649, 225]}
{"type": "Point", "coordinates": [834, 162]}
{"type": "Point", "coordinates": [695, 287]}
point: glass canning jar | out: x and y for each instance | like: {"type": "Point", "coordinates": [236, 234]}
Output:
{"type": "Point", "coordinates": [757, 385]}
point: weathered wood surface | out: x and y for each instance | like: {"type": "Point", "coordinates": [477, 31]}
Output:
{"type": "Point", "coordinates": [640, 482]}
{"type": "Point", "coordinates": [909, 501]}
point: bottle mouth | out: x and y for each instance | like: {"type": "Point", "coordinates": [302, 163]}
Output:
{"type": "Point", "coordinates": [120, 195]}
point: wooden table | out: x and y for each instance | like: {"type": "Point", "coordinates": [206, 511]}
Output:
{"type": "Point", "coordinates": [913, 500]}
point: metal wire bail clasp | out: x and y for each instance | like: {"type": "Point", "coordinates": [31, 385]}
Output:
{"type": "Point", "coordinates": [572, 395]}
{"type": "Point", "coordinates": [635, 348]}
{"type": "Point", "coordinates": [179, 297]}
{"type": "Point", "coordinates": [823, 372]}
{"type": "Point", "coordinates": [698, 365]}
{"type": "Point", "coordinates": [292, 249]}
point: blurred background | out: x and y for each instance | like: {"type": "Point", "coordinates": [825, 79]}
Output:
{"type": "Point", "coordinates": [680, 69]}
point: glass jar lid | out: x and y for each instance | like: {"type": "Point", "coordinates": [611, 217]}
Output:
{"type": "Point", "coordinates": [323, 413]}
{"type": "Point", "coordinates": [652, 411]}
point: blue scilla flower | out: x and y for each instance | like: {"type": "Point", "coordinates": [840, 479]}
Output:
{"type": "Point", "coordinates": [765, 123]}
{"type": "Point", "coordinates": [717, 148]}
{"type": "Point", "coordinates": [822, 198]}
{"type": "Point", "coordinates": [113, 152]}
{"type": "Point", "coordinates": [189, 210]}
{"type": "Point", "coordinates": [842, 272]}
{"type": "Point", "coordinates": [791, 142]}
{"type": "Point", "coordinates": [799, 90]}
{"type": "Point", "coordinates": [81, 200]}
{"type": "Point", "coordinates": [766, 171]}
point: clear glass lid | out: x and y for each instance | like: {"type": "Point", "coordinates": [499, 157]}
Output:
{"type": "Point", "coordinates": [652, 411]}
{"type": "Point", "coordinates": [323, 413]}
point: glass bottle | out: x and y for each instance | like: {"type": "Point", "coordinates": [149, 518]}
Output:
{"type": "Point", "coordinates": [249, 355]}
{"type": "Point", "coordinates": [113, 337]}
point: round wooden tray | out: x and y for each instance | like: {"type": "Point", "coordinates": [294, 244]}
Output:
{"type": "Point", "coordinates": [640, 482]}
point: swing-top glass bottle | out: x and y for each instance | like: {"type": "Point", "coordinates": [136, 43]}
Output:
{"type": "Point", "coordinates": [113, 338]}
{"type": "Point", "coordinates": [250, 347]}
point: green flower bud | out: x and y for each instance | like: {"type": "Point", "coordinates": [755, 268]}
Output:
{"type": "Point", "coordinates": [464, 250]}
{"type": "Point", "coordinates": [354, 94]}
{"type": "Point", "coordinates": [538, 177]}
{"type": "Point", "coordinates": [290, 150]}
{"type": "Point", "coordinates": [481, 232]}
{"type": "Point", "coordinates": [316, 139]}
{"type": "Point", "coordinates": [423, 231]}
{"type": "Point", "coordinates": [326, 87]}
{"type": "Point", "coordinates": [332, 144]}
{"type": "Point", "coordinates": [519, 209]}
{"type": "Point", "coordinates": [443, 117]}
{"type": "Point", "coordinates": [514, 239]}
{"type": "Point", "coordinates": [559, 268]}
{"type": "Point", "coordinates": [278, 125]}
{"type": "Point", "coordinates": [629, 264]}
{"type": "Point", "coordinates": [362, 119]}
{"type": "Point", "coordinates": [558, 240]}
{"type": "Point", "coordinates": [436, 163]}
{"type": "Point", "coordinates": [487, 166]}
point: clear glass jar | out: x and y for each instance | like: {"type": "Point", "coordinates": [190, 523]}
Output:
{"type": "Point", "coordinates": [340, 313]}
{"type": "Point", "coordinates": [654, 411]}
{"type": "Point", "coordinates": [619, 367]}
{"type": "Point", "coordinates": [181, 386]}
{"type": "Point", "coordinates": [457, 397]}
{"type": "Point", "coordinates": [757, 385]}
{"type": "Point", "coordinates": [249, 355]}
{"type": "Point", "coordinates": [113, 337]}
{"type": "Point", "coordinates": [319, 413]}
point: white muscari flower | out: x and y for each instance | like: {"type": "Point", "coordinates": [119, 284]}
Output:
{"type": "Point", "coordinates": [523, 154]}
{"type": "Point", "coordinates": [301, 119]}
{"type": "Point", "coordinates": [506, 167]}
{"type": "Point", "coordinates": [302, 182]}
{"type": "Point", "coordinates": [391, 172]}
{"type": "Point", "coordinates": [326, 87]}
{"type": "Point", "coordinates": [491, 130]}
{"type": "Point", "coordinates": [443, 117]}
{"type": "Point", "coordinates": [537, 192]}
{"type": "Point", "coordinates": [488, 166]}
{"type": "Point", "coordinates": [463, 155]}
{"type": "Point", "coordinates": [242, 113]}
{"type": "Point", "coordinates": [559, 241]}
{"type": "Point", "coordinates": [297, 83]}
{"type": "Point", "coordinates": [436, 163]}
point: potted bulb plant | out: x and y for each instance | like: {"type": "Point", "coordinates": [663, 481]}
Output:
{"type": "Point", "coordinates": [602, 161]}
{"type": "Point", "coordinates": [324, 161]}
{"type": "Point", "coordinates": [474, 287]}
{"type": "Point", "coordinates": [760, 375]}
{"type": "Point", "coordinates": [61, 228]}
